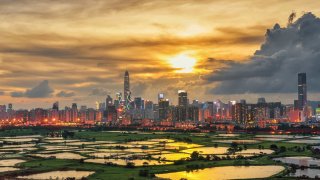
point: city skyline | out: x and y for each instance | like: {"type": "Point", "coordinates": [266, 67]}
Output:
{"type": "Point", "coordinates": [125, 110]}
{"type": "Point", "coordinates": [159, 89]}
{"type": "Point", "coordinates": [300, 100]}
{"type": "Point", "coordinates": [228, 56]}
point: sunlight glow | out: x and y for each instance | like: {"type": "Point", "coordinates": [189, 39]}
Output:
{"type": "Point", "coordinates": [183, 62]}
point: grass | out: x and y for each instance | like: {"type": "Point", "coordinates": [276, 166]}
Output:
{"type": "Point", "coordinates": [117, 172]}
{"type": "Point", "coordinates": [35, 165]}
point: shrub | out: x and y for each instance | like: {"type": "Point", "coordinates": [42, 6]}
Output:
{"type": "Point", "coordinates": [130, 165]}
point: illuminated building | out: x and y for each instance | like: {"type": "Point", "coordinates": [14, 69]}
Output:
{"type": "Point", "coordinates": [239, 113]}
{"type": "Point", "coordinates": [160, 96]}
{"type": "Point", "coordinates": [10, 112]}
{"type": "Point", "coordinates": [180, 113]}
{"type": "Point", "coordinates": [53, 115]}
{"type": "Point", "coordinates": [109, 101]}
{"type": "Point", "coordinates": [74, 112]}
{"type": "Point", "coordinates": [302, 90]}
{"type": "Point", "coordinates": [193, 113]}
{"type": "Point", "coordinates": [67, 114]}
{"type": "Point", "coordinates": [244, 114]}
{"type": "Point", "coordinates": [261, 100]}
{"type": "Point", "coordinates": [148, 112]}
{"type": "Point", "coordinates": [83, 114]}
{"type": "Point", "coordinates": [183, 98]}
{"type": "Point", "coordinates": [22, 115]}
{"type": "Point", "coordinates": [142, 104]}
{"type": "Point", "coordinates": [294, 116]}
{"type": "Point", "coordinates": [210, 109]}
{"type": "Point", "coordinates": [10, 107]}
{"type": "Point", "coordinates": [156, 111]}
{"type": "Point", "coordinates": [112, 115]}
{"type": "Point", "coordinates": [250, 116]}
{"type": "Point", "coordinates": [163, 107]}
{"type": "Point", "coordinates": [126, 87]}
{"type": "Point", "coordinates": [90, 116]}
{"type": "Point", "coordinates": [102, 106]}
{"type": "Point", "coordinates": [318, 113]}
{"type": "Point", "coordinates": [55, 106]}
{"type": "Point", "coordinates": [3, 108]}
{"type": "Point", "coordinates": [138, 103]}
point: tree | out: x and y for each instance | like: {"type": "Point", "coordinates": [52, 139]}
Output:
{"type": "Point", "coordinates": [273, 147]}
{"type": "Point", "coordinates": [194, 155]}
{"type": "Point", "coordinates": [130, 165]}
{"type": "Point", "coordinates": [234, 145]}
{"type": "Point", "coordinates": [283, 149]}
{"type": "Point", "coordinates": [144, 172]}
{"type": "Point", "coordinates": [245, 147]}
{"type": "Point", "coordinates": [145, 163]}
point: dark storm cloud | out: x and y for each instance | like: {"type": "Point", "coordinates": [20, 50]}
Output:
{"type": "Point", "coordinates": [42, 90]}
{"type": "Point", "coordinates": [274, 68]}
{"type": "Point", "coordinates": [65, 94]}
{"type": "Point", "coordinates": [213, 64]}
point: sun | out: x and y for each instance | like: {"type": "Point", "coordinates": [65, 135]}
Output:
{"type": "Point", "coordinates": [183, 62]}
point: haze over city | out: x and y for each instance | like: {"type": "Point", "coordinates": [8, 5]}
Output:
{"type": "Point", "coordinates": [77, 51]}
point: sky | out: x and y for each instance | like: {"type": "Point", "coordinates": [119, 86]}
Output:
{"type": "Point", "coordinates": [78, 50]}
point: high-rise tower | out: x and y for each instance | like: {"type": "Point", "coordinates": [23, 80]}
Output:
{"type": "Point", "coordinates": [126, 88]}
{"type": "Point", "coordinates": [181, 110]}
{"type": "Point", "coordinates": [183, 98]}
{"type": "Point", "coordinates": [302, 91]}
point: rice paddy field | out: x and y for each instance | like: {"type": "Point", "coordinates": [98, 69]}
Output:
{"type": "Point", "coordinates": [36, 154]}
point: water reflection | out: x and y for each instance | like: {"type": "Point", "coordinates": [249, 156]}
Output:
{"type": "Point", "coordinates": [58, 175]}
{"type": "Point", "coordinates": [227, 172]}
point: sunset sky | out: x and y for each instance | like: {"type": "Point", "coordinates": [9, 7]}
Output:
{"type": "Point", "coordinates": [78, 50]}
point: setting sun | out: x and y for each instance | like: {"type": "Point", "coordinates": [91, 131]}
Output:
{"type": "Point", "coordinates": [183, 62]}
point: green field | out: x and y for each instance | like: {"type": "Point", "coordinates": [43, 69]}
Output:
{"type": "Point", "coordinates": [108, 171]}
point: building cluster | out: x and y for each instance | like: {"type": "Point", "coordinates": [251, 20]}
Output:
{"type": "Point", "coordinates": [54, 116]}
{"type": "Point", "coordinates": [125, 111]}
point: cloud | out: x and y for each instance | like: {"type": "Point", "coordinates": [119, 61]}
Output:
{"type": "Point", "coordinates": [42, 90]}
{"type": "Point", "coordinates": [65, 94]}
{"type": "Point", "coordinates": [274, 67]}
{"type": "Point", "coordinates": [99, 92]}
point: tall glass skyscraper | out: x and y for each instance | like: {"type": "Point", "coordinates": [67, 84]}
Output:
{"type": "Point", "coordinates": [126, 88]}
{"type": "Point", "coordinates": [181, 110]}
{"type": "Point", "coordinates": [183, 98]}
{"type": "Point", "coordinates": [302, 90]}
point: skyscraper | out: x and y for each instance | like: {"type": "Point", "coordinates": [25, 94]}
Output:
{"type": "Point", "coordinates": [160, 97]}
{"type": "Point", "coordinates": [109, 101]}
{"type": "Point", "coordinates": [181, 109]}
{"type": "Point", "coordinates": [55, 106]}
{"type": "Point", "coordinates": [183, 98]}
{"type": "Point", "coordinates": [302, 90]}
{"type": "Point", "coordinates": [163, 109]}
{"type": "Point", "coordinates": [126, 88]}
{"type": "Point", "coordinates": [74, 112]}
{"type": "Point", "coordinates": [261, 100]}
{"type": "Point", "coordinates": [138, 103]}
